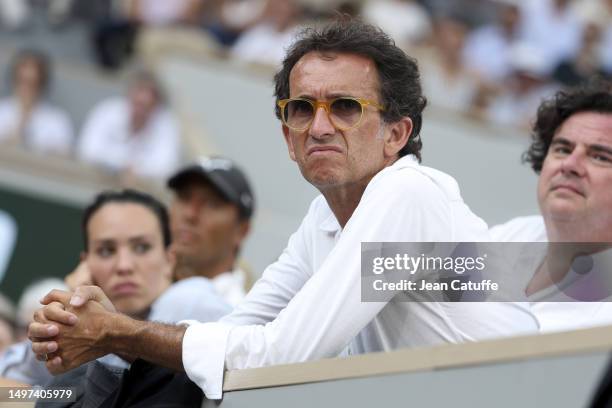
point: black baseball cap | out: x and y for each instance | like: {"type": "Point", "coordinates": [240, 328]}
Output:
{"type": "Point", "coordinates": [224, 176]}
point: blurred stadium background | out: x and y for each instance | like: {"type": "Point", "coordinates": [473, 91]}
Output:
{"type": "Point", "coordinates": [484, 65]}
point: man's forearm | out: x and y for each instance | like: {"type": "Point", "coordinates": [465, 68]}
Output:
{"type": "Point", "coordinates": [157, 343]}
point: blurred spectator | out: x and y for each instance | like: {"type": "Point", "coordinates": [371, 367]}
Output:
{"type": "Point", "coordinates": [587, 63]}
{"type": "Point", "coordinates": [16, 14]}
{"type": "Point", "coordinates": [265, 43]}
{"type": "Point", "coordinates": [7, 323]}
{"type": "Point", "coordinates": [155, 12]}
{"type": "Point", "coordinates": [527, 86]}
{"type": "Point", "coordinates": [114, 36]}
{"type": "Point", "coordinates": [487, 48]}
{"type": "Point", "coordinates": [552, 28]}
{"type": "Point", "coordinates": [446, 82]}
{"type": "Point", "coordinates": [210, 217]}
{"type": "Point", "coordinates": [597, 11]}
{"type": "Point", "coordinates": [59, 11]}
{"type": "Point", "coordinates": [471, 12]}
{"type": "Point", "coordinates": [25, 117]}
{"type": "Point", "coordinates": [233, 18]}
{"type": "Point", "coordinates": [13, 13]}
{"type": "Point", "coordinates": [113, 42]}
{"type": "Point", "coordinates": [8, 236]}
{"type": "Point", "coordinates": [135, 135]}
{"type": "Point", "coordinates": [406, 21]}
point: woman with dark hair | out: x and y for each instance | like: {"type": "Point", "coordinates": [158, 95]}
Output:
{"type": "Point", "coordinates": [127, 253]}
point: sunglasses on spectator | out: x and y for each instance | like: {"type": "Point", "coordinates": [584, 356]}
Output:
{"type": "Point", "coordinates": [344, 112]}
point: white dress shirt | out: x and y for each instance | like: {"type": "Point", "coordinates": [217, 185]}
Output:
{"type": "Point", "coordinates": [307, 305]}
{"type": "Point", "coordinates": [552, 316]}
{"type": "Point", "coordinates": [106, 140]}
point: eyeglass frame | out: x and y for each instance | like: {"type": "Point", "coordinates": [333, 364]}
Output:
{"type": "Point", "coordinates": [316, 104]}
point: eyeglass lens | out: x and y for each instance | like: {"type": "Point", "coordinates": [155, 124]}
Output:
{"type": "Point", "coordinates": [343, 112]}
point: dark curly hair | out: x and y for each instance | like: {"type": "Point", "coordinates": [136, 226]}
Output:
{"type": "Point", "coordinates": [594, 97]}
{"type": "Point", "coordinates": [400, 86]}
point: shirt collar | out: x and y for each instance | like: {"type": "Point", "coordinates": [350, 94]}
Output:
{"type": "Point", "coordinates": [409, 160]}
{"type": "Point", "coordinates": [331, 224]}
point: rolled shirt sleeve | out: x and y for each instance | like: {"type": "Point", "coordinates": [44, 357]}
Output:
{"type": "Point", "coordinates": [205, 367]}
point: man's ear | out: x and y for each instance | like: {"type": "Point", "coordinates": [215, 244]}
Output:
{"type": "Point", "coordinates": [243, 230]}
{"type": "Point", "coordinates": [289, 142]}
{"type": "Point", "coordinates": [398, 136]}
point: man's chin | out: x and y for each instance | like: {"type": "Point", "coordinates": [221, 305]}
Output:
{"type": "Point", "coordinates": [565, 211]}
{"type": "Point", "coordinates": [184, 249]}
{"type": "Point", "coordinates": [322, 176]}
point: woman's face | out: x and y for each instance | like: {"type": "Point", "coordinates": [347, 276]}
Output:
{"type": "Point", "coordinates": [28, 80]}
{"type": "Point", "coordinates": [126, 256]}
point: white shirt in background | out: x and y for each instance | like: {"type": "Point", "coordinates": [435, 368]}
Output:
{"type": "Point", "coordinates": [159, 13]}
{"type": "Point", "coordinates": [557, 36]}
{"type": "Point", "coordinates": [106, 140]}
{"type": "Point", "coordinates": [552, 316]}
{"type": "Point", "coordinates": [483, 43]}
{"type": "Point", "coordinates": [449, 92]}
{"type": "Point", "coordinates": [48, 130]}
{"type": "Point", "coordinates": [406, 22]}
{"type": "Point", "coordinates": [308, 306]}
{"type": "Point", "coordinates": [263, 44]}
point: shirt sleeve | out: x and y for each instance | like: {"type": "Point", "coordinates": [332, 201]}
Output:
{"type": "Point", "coordinates": [327, 312]}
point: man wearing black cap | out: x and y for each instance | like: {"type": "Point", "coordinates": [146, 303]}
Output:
{"type": "Point", "coordinates": [210, 217]}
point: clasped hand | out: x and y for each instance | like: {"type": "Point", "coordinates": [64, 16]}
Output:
{"type": "Point", "coordinates": [71, 328]}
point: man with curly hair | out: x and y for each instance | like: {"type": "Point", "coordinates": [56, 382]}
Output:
{"type": "Point", "coordinates": [571, 151]}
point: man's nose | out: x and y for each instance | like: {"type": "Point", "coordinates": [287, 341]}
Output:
{"type": "Point", "coordinates": [321, 125]}
{"type": "Point", "coordinates": [191, 210]}
{"type": "Point", "coordinates": [573, 164]}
